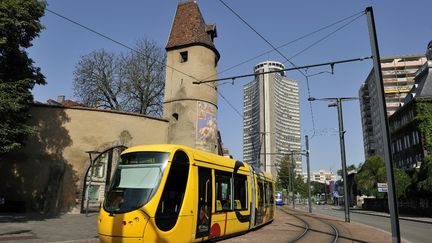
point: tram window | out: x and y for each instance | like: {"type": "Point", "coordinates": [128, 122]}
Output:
{"type": "Point", "coordinates": [268, 193]}
{"type": "Point", "coordinates": [271, 193]}
{"type": "Point", "coordinates": [223, 191]}
{"type": "Point", "coordinates": [173, 193]}
{"type": "Point", "coordinates": [260, 193]}
{"type": "Point", "coordinates": [240, 192]}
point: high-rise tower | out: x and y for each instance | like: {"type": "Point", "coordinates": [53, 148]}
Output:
{"type": "Point", "coordinates": [191, 56]}
{"type": "Point", "coordinates": [271, 118]}
{"type": "Point", "coordinates": [398, 74]}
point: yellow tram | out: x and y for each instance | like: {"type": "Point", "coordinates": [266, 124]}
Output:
{"type": "Point", "coordinates": [173, 193]}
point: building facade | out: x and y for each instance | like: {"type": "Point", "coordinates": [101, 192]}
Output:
{"type": "Point", "coordinates": [409, 125]}
{"type": "Point", "coordinates": [321, 176]}
{"type": "Point", "coordinates": [271, 118]}
{"type": "Point", "coordinates": [398, 77]}
{"type": "Point", "coordinates": [67, 163]}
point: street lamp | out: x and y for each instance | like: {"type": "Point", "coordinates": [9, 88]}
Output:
{"type": "Point", "coordinates": [338, 104]}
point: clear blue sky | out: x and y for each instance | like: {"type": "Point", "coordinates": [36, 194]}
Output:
{"type": "Point", "coordinates": [404, 27]}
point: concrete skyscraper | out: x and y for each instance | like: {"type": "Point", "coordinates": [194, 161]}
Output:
{"type": "Point", "coordinates": [271, 118]}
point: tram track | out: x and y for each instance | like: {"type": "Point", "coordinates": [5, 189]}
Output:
{"type": "Point", "coordinates": [315, 228]}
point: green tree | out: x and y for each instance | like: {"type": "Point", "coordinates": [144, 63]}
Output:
{"type": "Point", "coordinates": [284, 173]}
{"type": "Point", "coordinates": [373, 171]}
{"type": "Point", "coordinates": [403, 181]}
{"type": "Point", "coordinates": [300, 186]}
{"type": "Point", "coordinates": [424, 177]}
{"type": "Point", "coordinates": [19, 25]}
{"type": "Point", "coordinates": [349, 168]}
{"type": "Point", "coordinates": [317, 188]}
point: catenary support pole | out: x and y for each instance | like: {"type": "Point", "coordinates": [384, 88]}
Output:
{"type": "Point", "coordinates": [392, 199]}
{"type": "Point", "coordinates": [293, 178]}
{"type": "Point", "coordinates": [308, 173]}
{"type": "Point", "coordinates": [343, 158]}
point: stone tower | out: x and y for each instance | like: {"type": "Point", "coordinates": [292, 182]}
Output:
{"type": "Point", "coordinates": [191, 56]}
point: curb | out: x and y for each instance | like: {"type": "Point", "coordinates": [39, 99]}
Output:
{"type": "Point", "coordinates": [388, 216]}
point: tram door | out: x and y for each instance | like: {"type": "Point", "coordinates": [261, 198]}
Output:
{"type": "Point", "coordinates": [204, 202]}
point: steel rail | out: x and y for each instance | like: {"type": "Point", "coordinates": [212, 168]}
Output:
{"type": "Point", "coordinates": [305, 223]}
{"type": "Point", "coordinates": [334, 228]}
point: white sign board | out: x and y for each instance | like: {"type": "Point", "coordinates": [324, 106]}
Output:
{"type": "Point", "coordinates": [382, 185]}
{"type": "Point", "coordinates": [382, 189]}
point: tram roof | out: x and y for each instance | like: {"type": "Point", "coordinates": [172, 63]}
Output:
{"type": "Point", "coordinates": [197, 155]}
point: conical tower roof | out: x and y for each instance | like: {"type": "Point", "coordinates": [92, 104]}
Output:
{"type": "Point", "coordinates": [189, 28]}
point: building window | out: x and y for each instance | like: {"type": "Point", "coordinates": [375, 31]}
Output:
{"type": "Point", "coordinates": [183, 56]}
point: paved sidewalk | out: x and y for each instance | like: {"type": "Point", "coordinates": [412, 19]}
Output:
{"type": "Point", "coordinates": [40, 228]}
{"type": "Point", "coordinates": [427, 220]}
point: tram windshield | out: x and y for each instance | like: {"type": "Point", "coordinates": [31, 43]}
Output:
{"type": "Point", "coordinates": [135, 181]}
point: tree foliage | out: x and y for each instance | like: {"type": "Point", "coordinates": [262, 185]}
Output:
{"type": "Point", "coordinates": [284, 174]}
{"type": "Point", "coordinates": [300, 186]}
{"type": "Point", "coordinates": [403, 181]}
{"type": "Point", "coordinates": [19, 25]}
{"type": "Point", "coordinates": [97, 81]}
{"type": "Point", "coordinates": [424, 119]}
{"type": "Point", "coordinates": [424, 178]}
{"type": "Point", "coordinates": [317, 187]}
{"type": "Point", "coordinates": [348, 168]}
{"type": "Point", "coordinates": [143, 76]}
{"type": "Point", "coordinates": [373, 171]}
{"type": "Point", "coordinates": [132, 82]}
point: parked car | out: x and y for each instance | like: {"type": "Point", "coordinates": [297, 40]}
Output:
{"type": "Point", "coordinates": [321, 202]}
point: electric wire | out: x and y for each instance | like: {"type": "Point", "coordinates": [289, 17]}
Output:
{"type": "Point", "coordinates": [115, 41]}
{"type": "Point", "coordinates": [280, 53]}
{"type": "Point", "coordinates": [136, 51]}
{"type": "Point", "coordinates": [331, 63]}
{"type": "Point", "coordinates": [261, 36]}
{"type": "Point", "coordinates": [326, 36]}
{"type": "Point", "coordinates": [289, 43]}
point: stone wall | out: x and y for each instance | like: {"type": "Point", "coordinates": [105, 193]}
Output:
{"type": "Point", "coordinates": [48, 174]}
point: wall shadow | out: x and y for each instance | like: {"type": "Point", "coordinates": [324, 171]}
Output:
{"type": "Point", "coordinates": [37, 180]}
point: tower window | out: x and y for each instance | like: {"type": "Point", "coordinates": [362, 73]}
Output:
{"type": "Point", "coordinates": [183, 56]}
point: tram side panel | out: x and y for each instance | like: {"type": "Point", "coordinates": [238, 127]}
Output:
{"type": "Point", "coordinates": [239, 216]}
{"type": "Point", "coordinates": [174, 215]}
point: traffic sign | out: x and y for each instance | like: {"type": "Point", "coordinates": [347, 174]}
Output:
{"type": "Point", "coordinates": [382, 187]}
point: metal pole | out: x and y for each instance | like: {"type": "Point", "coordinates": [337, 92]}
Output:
{"type": "Point", "coordinates": [89, 184]}
{"type": "Point", "coordinates": [308, 173]}
{"type": "Point", "coordinates": [289, 181]}
{"type": "Point", "coordinates": [343, 157]}
{"type": "Point", "coordinates": [392, 199]}
{"type": "Point", "coordinates": [293, 176]}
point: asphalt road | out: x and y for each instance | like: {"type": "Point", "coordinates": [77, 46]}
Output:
{"type": "Point", "coordinates": [410, 231]}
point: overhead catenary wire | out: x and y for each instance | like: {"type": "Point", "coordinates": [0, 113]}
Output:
{"type": "Point", "coordinates": [286, 70]}
{"type": "Point", "coordinates": [289, 43]}
{"type": "Point", "coordinates": [134, 50]}
{"type": "Point", "coordinates": [357, 15]}
{"type": "Point", "coordinates": [274, 48]}
{"type": "Point", "coordinates": [261, 36]}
